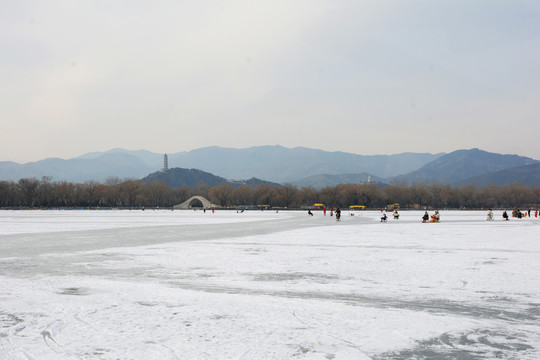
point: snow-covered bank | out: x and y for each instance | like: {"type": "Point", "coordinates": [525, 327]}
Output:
{"type": "Point", "coordinates": [266, 285]}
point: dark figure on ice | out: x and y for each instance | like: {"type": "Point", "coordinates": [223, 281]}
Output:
{"type": "Point", "coordinates": [310, 213]}
{"type": "Point", "coordinates": [384, 218]}
{"type": "Point", "coordinates": [425, 218]}
{"type": "Point", "coordinates": [338, 214]}
{"type": "Point", "coordinates": [505, 215]}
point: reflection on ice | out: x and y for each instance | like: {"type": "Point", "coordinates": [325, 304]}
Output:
{"type": "Point", "coordinates": [266, 285]}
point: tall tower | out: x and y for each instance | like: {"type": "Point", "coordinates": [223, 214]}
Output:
{"type": "Point", "coordinates": [165, 163]}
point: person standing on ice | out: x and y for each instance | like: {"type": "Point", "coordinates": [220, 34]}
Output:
{"type": "Point", "coordinates": [338, 214]}
{"type": "Point", "coordinates": [505, 215]}
{"type": "Point", "coordinates": [324, 210]}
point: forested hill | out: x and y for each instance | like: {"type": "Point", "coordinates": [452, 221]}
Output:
{"type": "Point", "coordinates": [179, 177]}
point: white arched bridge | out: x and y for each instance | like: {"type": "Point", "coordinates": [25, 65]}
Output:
{"type": "Point", "coordinates": [187, 204]}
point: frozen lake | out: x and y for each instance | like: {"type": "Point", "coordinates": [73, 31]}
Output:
{"type": "Point", "coordinates": [266, 285]}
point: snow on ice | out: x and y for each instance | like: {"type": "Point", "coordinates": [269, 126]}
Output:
{"type": "Point", "coordinates": [266, 285]}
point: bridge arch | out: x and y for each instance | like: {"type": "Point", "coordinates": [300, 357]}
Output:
{"type": "Point", "coordinates": [187, 204]}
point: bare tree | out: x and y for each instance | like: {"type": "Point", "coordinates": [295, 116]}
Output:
{"type": "Point", "coordinates": [45, 193]}
{"type": "Point", "coordinates": [370, 195]}
{"type": "Point", "coordinates": [285, 195]}
{"type": "Point", "coordinates": [159, 194]}
{"type": "Point", "coordinates": [9, 194]}
{"type": "Point", "coordinates": [307, 195]}
{"type": "Point", "coordinates": [113, 181]}
{"type": "Point", "coordinates": [88, 193]}
{"type": "Point", "coordinates": [263, 194]}
{"type": "Point", "coordinates": [419, 194]}
{"type": "Point", "coordinates": [221, 194]}
{"type": "Point", "coordinates": [243, 195]}
{"type": "Point", "coordinates": [66, 193]}
{"type": "Point", "coordinates": [29, 190]}
{"type": "Point", "coordinates": [129, 192]}
{"type": "Point", "coordinates": [329, 196]}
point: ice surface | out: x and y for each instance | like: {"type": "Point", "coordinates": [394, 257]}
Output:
{"type": "Point", "coordinates": [266, 285]}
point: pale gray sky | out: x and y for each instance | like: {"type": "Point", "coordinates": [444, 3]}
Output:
{"type": "Point", "coordinates": [367, 77]}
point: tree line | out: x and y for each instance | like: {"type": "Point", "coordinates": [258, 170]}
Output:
{"type": "Point", "coordinates": [45, 193]}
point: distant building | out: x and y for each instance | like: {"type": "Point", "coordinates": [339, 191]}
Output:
{"type": "Point", "coordinates": [236, 182]}
{"type": "Point", "coordinates": [165, 163]}
{"type": "Point", "coordinates": [368, 181]}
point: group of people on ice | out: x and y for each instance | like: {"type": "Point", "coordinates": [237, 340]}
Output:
{"type": "Point", "coordinates": [436, 217]}
{"type": "Point", "coordinates": [395, 214]}
{"type": "Point", "coordinates": [338, 213]}
{"type": "Point", "coordinates": [518, 214]}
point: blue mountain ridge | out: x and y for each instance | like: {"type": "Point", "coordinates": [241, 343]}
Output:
{"type": "Point", "coordinates": [300, 166]}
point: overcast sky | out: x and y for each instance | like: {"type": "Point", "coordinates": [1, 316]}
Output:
{"type": "Point", "coordinates": [367, 77]}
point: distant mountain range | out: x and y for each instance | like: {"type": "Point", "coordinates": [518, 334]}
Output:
{"type": "Point", "coordinates": [281, 164]}
{"type": "Point", "coordinates": [110, 164]}
{"type": "Point", "coordinates": [272, 163]}
{"type": "Point", "coordinates": [298, 166]}
{"type": "Point", "coordinates": [521, 175]}
{"type": "Point", "coordinates": [464, 166]}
